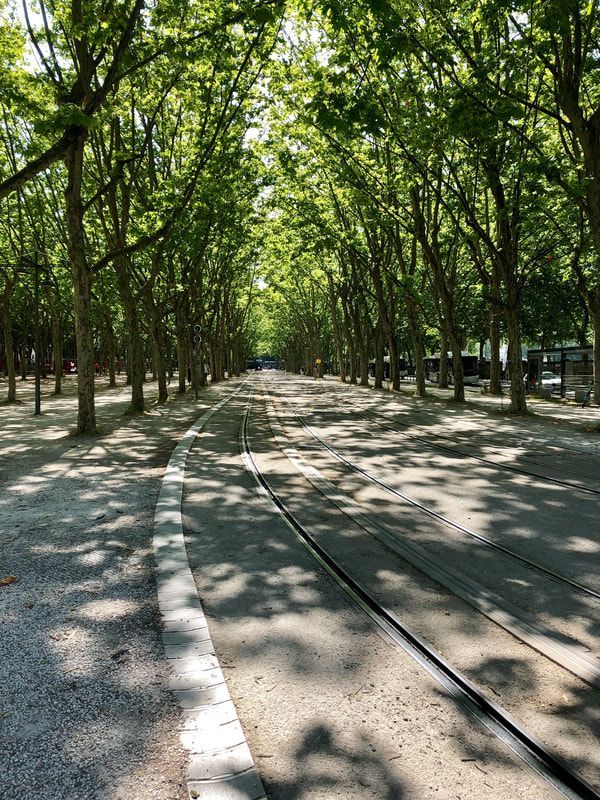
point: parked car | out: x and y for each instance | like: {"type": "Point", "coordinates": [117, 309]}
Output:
{"type": "Point", "coordinates": [550, 380]}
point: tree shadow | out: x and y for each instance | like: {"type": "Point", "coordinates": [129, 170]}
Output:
{"type": "Point", "coordinates": [85, 709]}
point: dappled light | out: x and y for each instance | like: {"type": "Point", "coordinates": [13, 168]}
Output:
{"type": "Point", "coordinates": [299, 400]}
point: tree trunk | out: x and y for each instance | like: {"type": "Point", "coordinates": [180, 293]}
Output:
{"type": "Point", "coordinates": [43, 352]}
{"type": "Point", "coordinates": [112, 378]}
{"type": "Point", "coordinates": [157, 341]}
{"type": "Point", "coordinates": [337, 335]}
{"type": "Point", "coordinates": [419, 347]}
{"type": "Point", "coordinates": [443, 357]}
{"type": "Point", "coordinates": [82, 289]}
{"type": "Point", "coordinates": [24, 347]}
{"type": "Point", "coordinates": [458, 377]}
{"type": "Point", "coordinates": [518, 403]}
{"type": "Point", "coordinates": [216, 364]}
{"type": "Point", "coordinates": [182, 332]}
{"type": "Point", "coordinates": [383, 327]}
{"type": "Point", "coordinates": [363, 352]}
{"type": "Point", "coordinates": [56, 340]}
{"type": "Point", "coordinates": [419, 365]}
{"type": "Point", "coordinates": [495, 366]}
{"type": "Point", "coordinates": [350, 341]}
{"type": "Point", "coordinates": [8, 346]}
{"type": "Point", "coordinates": [135, 352]}
{"type": "Point", "coordinates": [353, 363]}
{"type": "Point", "coordinates": [161, 373]}
{"type": "Point", "coordinates": [57, 352]}
{"type": "Point", "coordinates": [394, 362]}
{"type": "Point", "coordinates": [595, 316]}
{"type": "Point", "coordinates": [379, 368]}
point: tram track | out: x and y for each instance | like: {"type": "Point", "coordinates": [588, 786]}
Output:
{"type": "Point", "coordinates": [509, 439]}
{"type": "Point", "coordinates": [568, 653]}
{"type": "Point", "coordinates": [487, 461]}
{"type": "Point", "coordinates": [537, 756]}
{"type": "Point", "coordinates": [541, 568]}
{"type": "Point", "coordinates": [388, 424]}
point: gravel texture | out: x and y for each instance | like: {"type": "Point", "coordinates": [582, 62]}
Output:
{"type": "Point", "coordinates": [329, 708]}
{"type": "Point", "coordinates": [85, 711]}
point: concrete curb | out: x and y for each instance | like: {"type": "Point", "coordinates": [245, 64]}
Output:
{"type": "Point", "coordinates": [220, 765]}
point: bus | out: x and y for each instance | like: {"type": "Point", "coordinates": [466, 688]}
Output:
{"type": "Point", "coordinates": [470, 368]}
{"type": "Point", "coordinates": [387, 372]}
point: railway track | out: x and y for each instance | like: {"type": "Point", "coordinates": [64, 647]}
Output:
{"type": "Point", "coordinates": [487, 461]}
{"type": "Point", "coordinates": [515, 439]}
{"type": "Point", "coordinates": [541, 568]}
{"type": "Point", "coordinates": [567, 653]}
{"type": "Point", "coordinates": [388, 424]}
{"type": "Point", "coordinates": [566, 781]}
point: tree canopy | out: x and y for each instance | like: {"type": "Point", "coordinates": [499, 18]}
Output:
{"type": "Point", "coordinates": [339, 183]}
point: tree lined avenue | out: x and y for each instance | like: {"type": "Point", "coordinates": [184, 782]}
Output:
{"type": "Point", "coordinates": [340, 184]}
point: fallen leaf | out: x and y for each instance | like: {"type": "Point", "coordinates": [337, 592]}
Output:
{"type": "Point", "coordinates": [8, 580]}
{"type": "Point", "coordinates": [358, 693]}
{"type": "Point", "coordinates": [58, 637]}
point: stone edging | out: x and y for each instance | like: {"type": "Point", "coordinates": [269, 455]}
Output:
{"type": "Point", "coordinates": [220, 765]}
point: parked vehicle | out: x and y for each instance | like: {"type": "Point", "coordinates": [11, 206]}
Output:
{"type": "Point", "coordinates": [550, 380]}
{"type": "Point", "coordinates": [470, 368]}
{"type": "Point", "coordinates": [387, 371]}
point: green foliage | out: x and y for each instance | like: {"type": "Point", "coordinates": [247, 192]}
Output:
{"type": "Point", "coordinates": [283, 172]}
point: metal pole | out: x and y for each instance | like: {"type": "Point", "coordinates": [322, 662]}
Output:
{"type": "Point", "coordinates": [36, 334]}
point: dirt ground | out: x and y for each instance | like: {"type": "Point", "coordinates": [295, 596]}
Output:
{"type": "Point", "coordinates": [84, 709]}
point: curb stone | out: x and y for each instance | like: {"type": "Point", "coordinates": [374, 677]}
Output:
{"type": "Point", "coordinates": [220, 765]}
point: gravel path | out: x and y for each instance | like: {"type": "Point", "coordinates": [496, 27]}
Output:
{"type": "Point", "coordinates": [84, 710]}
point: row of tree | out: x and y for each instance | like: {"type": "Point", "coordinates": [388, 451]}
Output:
{"type": "Point", "coordinates": [437, 179]}
{"type": "Point", "coordinates": [127, 187]}
{"type": "Point", "coordinates": [399, 173]}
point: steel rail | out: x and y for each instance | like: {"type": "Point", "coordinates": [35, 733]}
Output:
{"type": "Point", "coordinates": [568, 654]}
{"type": "Point", "coordinates": [580, 587]}
{"type": "Point", "coordinates": [495, 464]}
{"type": "Point", "coordinates": [528, 748]}
{"type": "Point", "coordinates": [456, 451]}
{"type": "Point", "coordinates": [513, 435]}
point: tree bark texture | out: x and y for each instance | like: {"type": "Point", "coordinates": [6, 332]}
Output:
{"type": "Point", "coordinates": [518, 402]}
{"type": "Point", "coordinates": [82, 289]}
{"type": "Point", "coordinates": [8, 345]}
{"type": "Point", "coordinates": [495, 366]}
